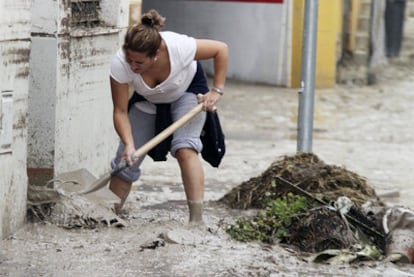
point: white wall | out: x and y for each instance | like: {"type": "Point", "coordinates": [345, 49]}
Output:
{"type": "Point", "coordinates": [84, 134]}
{"type": "Point", "coordinates": [70, 107]}
{"type": "Point", "coordinates": [256, 33]}
{"type": "Point", "coordinates": [14, 68]}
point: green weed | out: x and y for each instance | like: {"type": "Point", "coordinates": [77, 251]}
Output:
{"type": "Point", "coordinates": [270, 225]}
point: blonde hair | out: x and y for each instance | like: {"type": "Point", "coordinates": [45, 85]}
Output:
{"type": "Point", "coordinates": [145, 37]}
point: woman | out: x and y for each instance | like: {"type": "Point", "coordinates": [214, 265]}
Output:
{"type": "Point", "coordinates": [162, 68]}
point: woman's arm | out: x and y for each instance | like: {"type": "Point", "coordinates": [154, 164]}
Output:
{"type": "Point", "coordinates": [120, 96]}
{"type": "Point", "coordinates": [218, 51]}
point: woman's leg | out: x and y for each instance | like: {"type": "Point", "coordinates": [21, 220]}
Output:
{"type": "Point", "coordinates": [192, 174]}
{"type": "Point", "coordinates": [185, 147]}
{"type": "Point", "coordinates": [143, 125]}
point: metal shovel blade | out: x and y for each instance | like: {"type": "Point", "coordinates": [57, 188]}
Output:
{"type": "Point", "coordinates": [104, 179]}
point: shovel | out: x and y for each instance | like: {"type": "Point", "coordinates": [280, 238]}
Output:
{"type": "Point", "coordinates": [104, 179]}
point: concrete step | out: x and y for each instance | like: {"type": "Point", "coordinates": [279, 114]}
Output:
{"type": "Point", "coordinates": [365, 7]}
{"type": "Point", "coordinates": [407, 45]}
{"type": "Point", "coordinates": [409, 26]}
{"type": "Point", "coordinates": [364, 23]}
{"type": "Point", "coordinates": [360, 57]}
{"type": "Point", "coordinates": [362, 41]}
{"type": "Point", "coordinates": [352, 74]}
{"type": "Point", "coordinates": [409, 41]}
{"type": "Point", "coordinates": [409, 9]}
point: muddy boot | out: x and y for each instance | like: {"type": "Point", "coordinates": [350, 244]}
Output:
{"type": "Point", "coordinates": [118, 206]}
{"type": "Point", "coordinates": [196, 211]}
{"type": "Point", "coordinates": [121, 189]}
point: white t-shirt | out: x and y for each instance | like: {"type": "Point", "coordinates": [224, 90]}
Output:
{"type": "Point", "coordinates": [181, 50]}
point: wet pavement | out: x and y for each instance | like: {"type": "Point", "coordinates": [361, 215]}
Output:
{"type": "Point", "coordinates": [366, 129]}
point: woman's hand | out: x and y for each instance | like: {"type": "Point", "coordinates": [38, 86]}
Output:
{"type": "Point", "coordinates": [128, 155]}
{"type": "Point", "coordinates": [209, 100]}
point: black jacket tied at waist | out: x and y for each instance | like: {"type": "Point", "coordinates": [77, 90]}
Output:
{"type": "Point", "coordinates": [212, 135]}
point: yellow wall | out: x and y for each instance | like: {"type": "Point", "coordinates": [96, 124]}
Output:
{"type": "Point", "coordinates": [328, 36]}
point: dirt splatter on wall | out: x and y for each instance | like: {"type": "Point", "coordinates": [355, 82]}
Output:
{"type": "Point", "coordinates": [14, 67]}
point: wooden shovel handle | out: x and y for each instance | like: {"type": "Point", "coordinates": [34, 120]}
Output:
{"type": "Point", "coordinates": [144, 149]}
{"type": "Point", "coordinates": [101, 182]}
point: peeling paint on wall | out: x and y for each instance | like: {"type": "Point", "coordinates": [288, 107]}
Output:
{"type": "Point", "coordinates": [15, 21]}
{"type": "Point", "coordinates": [6, 121]}
{"type": "Point", "coordinates": [70, 79]}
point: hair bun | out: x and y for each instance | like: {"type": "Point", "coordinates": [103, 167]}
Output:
{"type": "Point", "coordinates": [148, 21]}
{"type": "Point", "coordinates": [153, 19]}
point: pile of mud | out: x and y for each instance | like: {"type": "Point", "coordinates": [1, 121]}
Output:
{"type": "Point", "coordinates": [58, 202]}
{"type": "Point", "coordinates": [307, 172]}
{"type": "Point", "coordinates": [324, 225]}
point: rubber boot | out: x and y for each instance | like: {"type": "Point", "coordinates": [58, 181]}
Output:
{"type": "Point", "coordinates": [121, 189]}
{"type": "Point", "coordinates": [196, 211]}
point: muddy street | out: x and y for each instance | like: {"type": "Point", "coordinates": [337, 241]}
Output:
{"type": "Point", "coordinates": [365, 129]}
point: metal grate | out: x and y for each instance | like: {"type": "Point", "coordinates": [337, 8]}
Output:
{"type": "Point", "coordinates": [85, 13]}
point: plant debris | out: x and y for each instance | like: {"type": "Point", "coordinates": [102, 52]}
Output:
{"type": "Point", "coordinates": [299, 199]}
{"type": "Point", "coordinates": [306, 171]}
